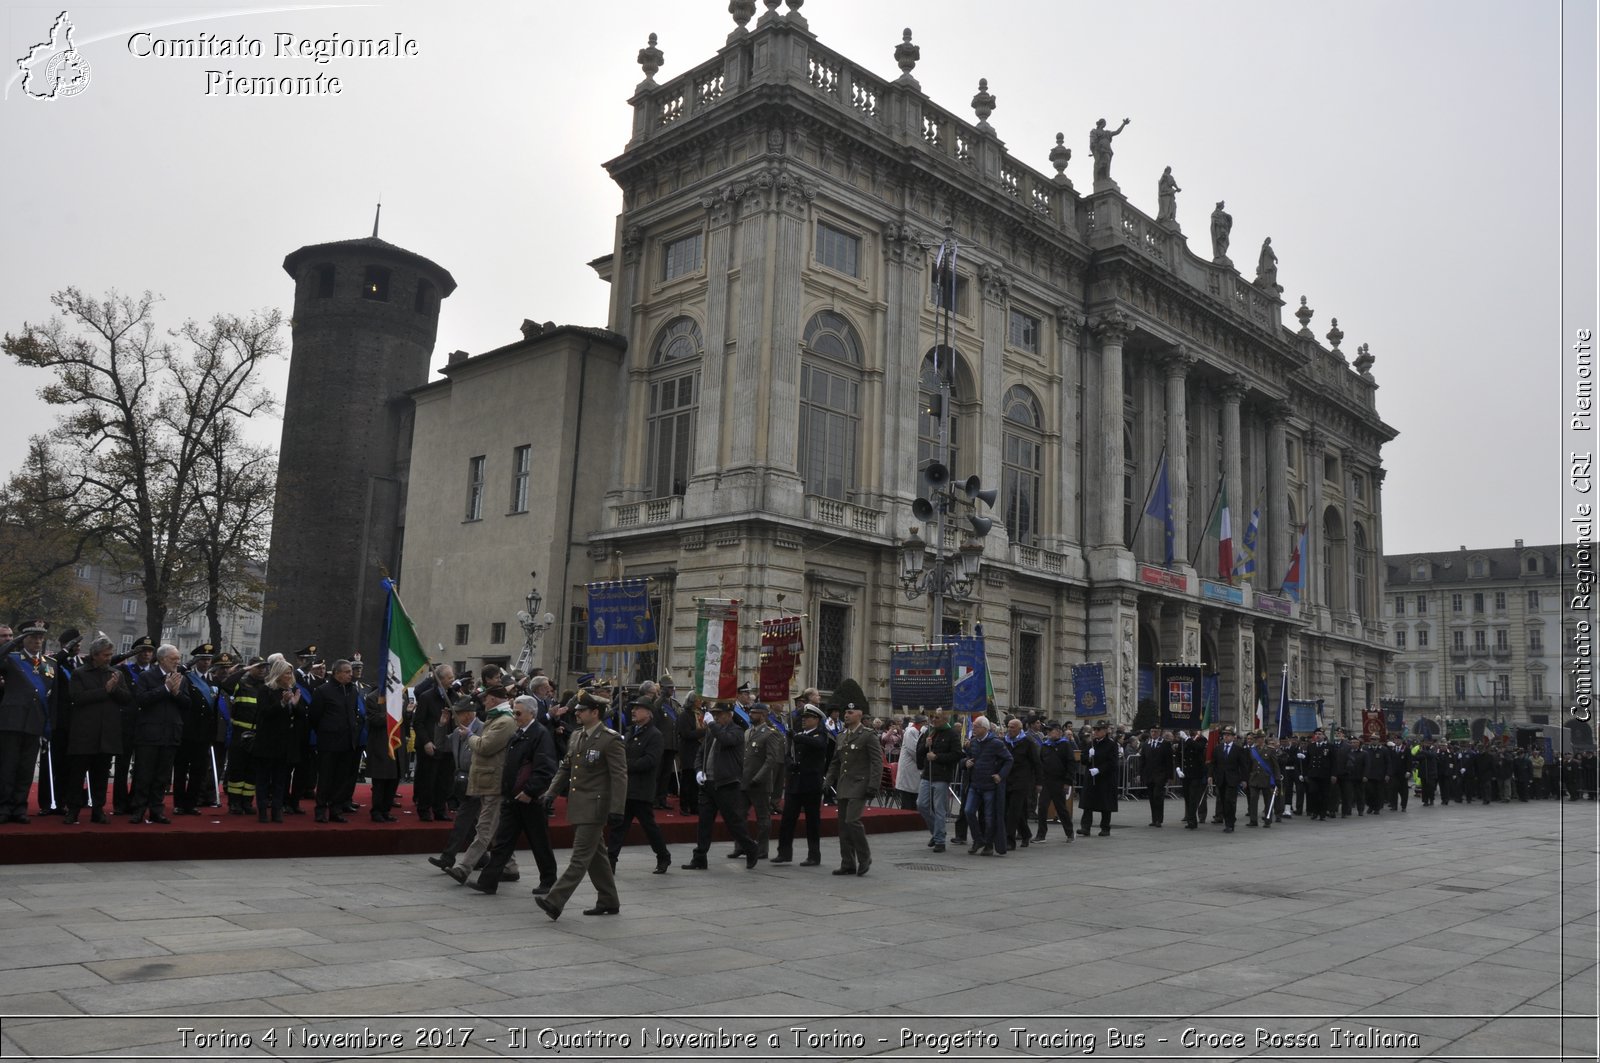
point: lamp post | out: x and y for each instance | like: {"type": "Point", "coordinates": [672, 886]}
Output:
{"type": "Point", "coordinates": [534, 624]}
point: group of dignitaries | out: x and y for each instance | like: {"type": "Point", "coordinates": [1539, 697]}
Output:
{"type": "Point", "coordinates": [122, 731]}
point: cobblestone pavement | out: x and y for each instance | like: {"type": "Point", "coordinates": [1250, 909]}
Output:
{"type": "Point", "coordinates": [1434, 934]}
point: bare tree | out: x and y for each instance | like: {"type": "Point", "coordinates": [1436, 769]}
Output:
{"type": "Point", "coordinates": [232, 527]}
{"type": "Point", "coordinates": [140, 411]}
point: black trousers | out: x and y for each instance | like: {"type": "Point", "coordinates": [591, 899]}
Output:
{"type": "Point", "coordinates": [59, 786]}
{"type": "Point", "coordinates": [520, 819]}
{"type": "Point", "coordinates": [1377, 792]}
{"type": "Point", "coordinates": [431, 783]}
{"type": "Point", "coordinates": [1228, 802]}
{"type": "Point", "coordinates": [1018, 806]}
{"type": "Point", "coordinates": [1158, 800]}
{"type": "Point", "coordinates": [1053, 795]}
{"type": "Point", "coordinates": [793, 805]}
{"type": "Point", "coordinates": [98, 767]}
{"type": "Point", "coordinates": [383, 794]}
{"type": "Point", "coordinates": [152, 770]}
{"type": "Point", "coordinates": [18, 752]}
{"type": "Point", "coordinates": [688, 786]}
{"type": "Point", "coordinates": [122, 776]}
{"type": "Point", "coordinates": [725, 801]}
{"type": "Point", "coordinates": [1194, 794]}
{"type": "Point", "coordinates": [303, 776]}
{"type": "Point", "coordinates": [336, 778]}
{"type": "Point", "coordinates": [644, 812]}
{"type": "Point", "coordinates": [1428, 788]}
{"type": "Point", "coordinates": [665, 775]}
{"type": "Point", "coordinates": [1400, 791]}
{"type": "Point", "coordinates": [1350, 793]}
{"type": "Point", "coordinates": [271, 783]}
{"type": "Point", "coordinates": [191, 775]}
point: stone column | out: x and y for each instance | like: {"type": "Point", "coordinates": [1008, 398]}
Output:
{"type": "Point", "coordinates": [1347, 480]}
{"type": "Point", "coordinates": [1311, 560]}
{"type": "Point", "coordinates": [627, 463]}
{"type": "Point", "coordinates": [713, 413]}
{"type": "Point", "coordinates": [1177, 364]}
{"type": "Point", "coordinates": [904, 256]}
{"type": "Point", "coordinates": [1070, 489]}
{"type": "Point", "coordinates": [779, 436]}
{"type": "Point", "coordinates": [1111, 329]}
{"type": "Point", "coordinates": [1378, 571]}
{"type": "Point", "coordinates": [1270, 569]}
{"type": "Point", "coordinates": [1232, 394]}
{"type": "Point", "coordinates": [755, 239]}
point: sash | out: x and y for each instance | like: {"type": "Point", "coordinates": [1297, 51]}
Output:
{"type": "Point", "coordinates": [738, 710]}
{"type": "Point", "coordinates": [28, 669]}
{"type": "Point", "coordinates": [205, 688]}
{"type": "Point", "coordinates": [1272, 779]}
{"type": "Point", "coordinates": [666, 710]}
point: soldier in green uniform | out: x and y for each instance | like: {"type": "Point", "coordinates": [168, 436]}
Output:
{"type": "Point", "coordinates": [763, 764]}
{"type": "Point", "coordinates": [855, 775]}
{"type": "Point", "coordinates": [594, 775]}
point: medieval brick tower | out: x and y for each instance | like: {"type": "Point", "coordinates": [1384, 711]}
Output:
{"type": "Point", "coordinates": [365, 317]}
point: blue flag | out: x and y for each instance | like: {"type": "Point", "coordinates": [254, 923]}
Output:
{"type": "Point", "coordinates": [1160, 508]}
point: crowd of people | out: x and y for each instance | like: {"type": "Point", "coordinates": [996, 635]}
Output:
{"type": "Point", "coordinates": [491, 752]}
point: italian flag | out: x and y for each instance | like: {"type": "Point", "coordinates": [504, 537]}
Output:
{"type": "Point", "coordinates": [404, 662]}
{"type": "Point", "coordinates": [716, 649]}
{"type": "Point", "coordinates": [1222, 528]}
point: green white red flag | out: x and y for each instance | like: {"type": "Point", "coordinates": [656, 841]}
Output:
{"type": "Point", "coordinates": [716, 649]}
{"type": "Point", "coordinates": [405, 663]}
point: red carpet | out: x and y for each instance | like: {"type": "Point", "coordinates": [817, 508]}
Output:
{"type": "Point", "coordinates": [216, 835]}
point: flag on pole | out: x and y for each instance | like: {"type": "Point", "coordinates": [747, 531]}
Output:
{"type": "Point", "coordinates": [944, 276]}
{"type": "Point", "coordinates": [1294, 580]}
{"type": "Point", "coordinates": [716, 649]}
{"type": "Point", "coordinates": [405, 663]}
{"type": "Point", "coordinates": [1285, 725]}
{"type": "Point", "coordinates": [1245, 567]}
{"type": "Point", "coordinates": [1222, 528]}
{"type": "Point", "coordinates": [1160, 507]}
{"type": "Point", "coordinates": [1261, 704]}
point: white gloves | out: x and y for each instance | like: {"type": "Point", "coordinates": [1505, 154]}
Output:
{"type": "Point", "coordinates": [700, 777]}
{"type": "Point", "coordinates": [1180, 772]}
{"type": "Point", "coordinates": [1302, 756]}
{"type": "Point", "coordinates": [1091, 752]}
{"type": "Point", "coordinates": [709, 718]}
{"type": "Point", "coordinates": [1183, 735]}
{"type": "Point", "coordinates": [1094, 771]}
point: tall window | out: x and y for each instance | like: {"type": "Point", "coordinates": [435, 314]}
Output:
{"type": "Point", "coordinates": [1399, 605]}
{"type": "Point", "coordinates": [1027, 689]}
{"type": "Point", "coordinates": [1502, 640]}
{"type": "Point", "coordinates": [1533, 601]}
{"type": "Point", "coordinates": [1019, 487]}
{"type": "Point", "coordinates": [838, 249]}
{"type": "Point", "coordinates": [938, 298]}
{"type": "Point", "coordinates": [1458, 641]}
{"type": "Point", "coordinates": [1422, 605]}
{"type": "Point", "coordinates": [1333, 560]}
{"type": "Point", "coordinates": [475, 473]}
{"type": "Point", "coordinates": [1424, 683]}
{"type": "Point", "coordinates": [1480, 640]}
{"type": "Point", "coordinates": [1461, 687]}
{"type": "Point", "coordinates": [1535, 685]}
{"type": "Point", "coordinates": [1536, 641]}
{"type": "Point", "coordinates": [497, 633]}
{"type": "Point", "coordinates": [130, 607]}
{"type": "Point", "coordinates": [1024, 332]}
{"type": "Point", "coordinates": [1477, 602]}
{"type": "Point", "coordinates": [427, 300]}
{"type": "Point", "coordinates": [928, 412]}
{"type": "Point", "coordinates": [1400, 639]}
{"type": "Point", "coordinates": [463, 634]}
{"type": "Point", "coordinates": [1358, 544]}
{"type": "Point", "coordinates": [833, 624]}
{"type": "Point", "coordinates": [1130, 482]}
{"type": "Point", "coordinates": [1499, 601]}
{"type": "Point", "coordinates": [522, 465]}
{"type": "Point", "coordinates": [325, 281]}
{"type": "Point", "coordinates": [578, 640]}
{"type": "Point", "coordinates": [830, 406]}
{"type": "Point", "coordinates": [1422, 638]}
{"type": "Point", "coordinates": [681, 257]}
{"type": "Point", "coordinates": [1455, 603]}
{"type": "Point", "coordinates": [674, 400]}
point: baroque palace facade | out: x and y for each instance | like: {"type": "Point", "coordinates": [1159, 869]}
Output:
{"type": "Point", "coordinates": [771, 333]}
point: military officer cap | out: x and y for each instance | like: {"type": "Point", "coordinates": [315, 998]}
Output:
{"type": "Point", "coordinates": [811, 710]}
{"type": "Point", "coordinates": [745, 688]}
{"type": "Point", "coordinates": [464, 705]}
{"type": "Point", "coordinates": [721, 706]}
{"type": "Point", "coordinates": [641, 703]}
{"type": "Point", "coordinates": [357, 664]}
{"type": "Point", "coordinates": [226, 659]}
{"type": "Point", "coordinates": [666, 680]}
{"type": "Point", "coordinates": [1102, 725]}
{"type": "Point", "coordinates": [1227, 728]}
{"type": "Point", "coordinates": [587, 679]}
{"type": "Point", "coordinates": [256, 662]}
{"type": "Point", "coordinates": [1054, 725]}
{"type": "Point", "coordinates": [71, 637]}
{"type": "Point", "coordinates": [309, 651]}
{"type": "Point", "coordinates": [34, 627]}
{"type": "Point", "coordinates": [143, 642]}
{"type": "Point", "coordinates": [759, 706]}
{"type": "Point", "coordinates": [590, 699]}
{"type": "Point", "coordinates": [204, 650]}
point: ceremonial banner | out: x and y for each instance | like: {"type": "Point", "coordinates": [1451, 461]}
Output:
{"type": "Point", "coordinates": [1304, 713]}
{"type": "Point", "coordinates": [1426, 728]}
{"type": "Point", "coordinates": [619, 616]}
{"type": "Point", "coordinates": [1210, 699]}
{"type": "Point", "coordinates": [1394, 714]}
{"type": "Point", "coordinates": [1457, 730]}
{"type": "Point", "coordinates": [781, 642]}
{"type": "Point", "coordinates": [921, 677]}
{"type": "Point", "coordinates": [1089, 689]}
{"type": "Point", "coordinates": [1179, 687]}
{"type": "Point", "coordinates": [970, 666]}
{"type": "Point", "coordinates": [1372, 724]}
{"type": "Point", "coordinates": [405, 663]}
{"type": "Point", "coordinates": [716, 649]}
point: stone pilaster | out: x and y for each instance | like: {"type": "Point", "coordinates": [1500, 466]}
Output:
{"type": "Point", "coordinates": [627, 463]}
{"type": "Point", "coordinates": [713, 411]}
{"type": "Point", "coordinates": [1114, 640]}
{"type": "Point", "coordinates": [1311, 560]}
{"type": "Point", "coordinates": [1107, 458]}
{"type": "Point", "coordinates": [1270, 568]}
{"type": "Point", "coordinates": [996, 286]}
{"type": "Point", "coordinates": [904, 259]}
{"type": "Point", "coordinates": [1232, 394]}
{"type": "Point", "coordinates": [1177, 364]}
{"type": "Point", "coordinates": [1070, 490]}
{"type": "Point", "coordinates": [781, 432]}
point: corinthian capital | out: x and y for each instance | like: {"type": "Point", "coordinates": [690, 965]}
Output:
{"type": "Point", "coordinates": [1113, 327]}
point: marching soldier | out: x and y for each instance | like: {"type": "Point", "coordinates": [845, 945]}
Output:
{"type": "Point", "coordinates": [1192, 770]}
{"type": "Point", "coordinates": [763, 764]}
{"type": "Point", "coordinates": [718, 770]}
{"type": "Point", "coordinates": [594, 776]}
{"type": "Point", "coordinates": [1318, 767]}
{"type": "Point", "coordinates": [810, 746]}
{"type": "Point", "coordinates": [855, 776]}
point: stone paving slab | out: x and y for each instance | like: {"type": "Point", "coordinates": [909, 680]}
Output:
{"type": "Point", "coordinates": [1294, 930]}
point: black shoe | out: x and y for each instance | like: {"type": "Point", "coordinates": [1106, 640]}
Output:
{"type": "Point", "coordinates": [1023, 844]}
{"type": "Point", "coordinates": [973, 849]}
{"type": "Point", "coordinates": [1227, 830]}
{"type": "Point", "coordinates": [863, 868]}
{"type": "Point", "coordinates": [133, 817]}
{"type": "Point", "coordinates": [1105, 833]}
{"type": "Point", "coordinates": [811, 861]}
{"type": "Point", "coordinates": [293, 810]}
{"type": "Point", "coordinates": [735, 855]}
{"type": "Point", "coordinates": [549, 909]}
{"type": "Point", "coordinates": [442, 862]}
{"type": "Point", "coordinates": [277, 815]}
{"type": "Point", "coordinates": [98, 816]}
{"type": "Point", "coordinates": [600, 910]}
{"type": "Point", "coordinates": [697, 863]}
{"type": "Point", "coordinates": [262, 816]}
{"type": "Point", "coordinates": [544, 887]}
{"type": "Point", "coordinates": [351, 806]}
{"type": "Point", "coordinates": [457, 872]}
{"type": "Point", "coordinates": [987, 850]}
{"type": "Point", "coordinates": [185, 812]}
{"type": "Point", "coordinates": [481, 888]}
{"type": "Point", "coordinates": [752, 856]}
{"type": "Point", "coordinates": [930, 843]}
{"type": "Point", "coordinates": [71, 817]}
{"type": "Point", "coordinates": [662, 866]}
{"type": "Point", "coordinates": [156, 818]}
{"type": "Point", "coordinates": [335, 817]}
{"type": "Point", "coordinates": [515, 876]}
{"type": "Point", "coordinates": [789, 859]}
{"type": "Point", "coordinates": [425, 816]}
{"type": "Point", "coordinates": [938, 848]}
{"type": "Point", "coordinates": [845, 871]}
{"type": "Point", "coordinates": [321, 816]}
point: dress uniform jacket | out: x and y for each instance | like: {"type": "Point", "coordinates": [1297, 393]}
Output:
{"type": "Point", "coordinates": [645, 747]}
{"type": "Point", "coordinates": [594, 775]}
{"type": "Point", "coordinates": [21, 708]}
{"type": "Point", "coordinates": [857, 769]}
{"type": "Point", "coordinates": [763, 757]}
{"type": "Point", "coordinates": [1100, 790]}
{"type": "Point", "coordinates": [96, 714]}
{"type": "Point", "coordinates": [811, 750]}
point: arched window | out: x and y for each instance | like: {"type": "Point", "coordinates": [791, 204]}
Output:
{"type": "Point", "coordinates": [1333, 560]}
{"type": "Point", "coordinates": [942, 361]}
{"type": "Point", "coordinates": [1358, 546]}
{"type": "Point", "coordinates": [830, 405]}
{"type": "Point", "coordinates": [674, 400]}
{"type": "Point", "coordinates": [1019, 485]}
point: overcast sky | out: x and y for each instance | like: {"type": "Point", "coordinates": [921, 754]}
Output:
{"type": "Point", "coordinates": [1404, 156]}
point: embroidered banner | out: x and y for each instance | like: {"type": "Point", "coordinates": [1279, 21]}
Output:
{"type": "Point", "coordinates": [1089, 689]}
{"type": "Point", "coordinates": [619, 616]}
{"type": "Point", "coordinates": [921, 677]}
{"type": "Point", "coordinates": [716, 649]}
{"type": "Point", "coordinates": [1179, 689]}
{"type": "Point", "coordinates": [781, 642]}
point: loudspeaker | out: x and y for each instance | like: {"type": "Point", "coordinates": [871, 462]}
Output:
{"type": "Point", "coordinates": [922, 509]}
{"type": "Point", "coordinates": [935, 475]}
{"type": "Point", "coordinates": [974, 489]}
{"type": "Point", "coordinates": [981, 525]}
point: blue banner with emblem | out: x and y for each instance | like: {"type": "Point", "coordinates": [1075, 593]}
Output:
{"type": "Point", "coordinates": [1089, 689]}
{"type": "Point", "coordinates": [970, 666]}
{"type": "Point", "coordinates": [1394, 714]}
{"type": "Point", "coordinates": [1180, 690]}
{"type": "Point", "coordinates": [921, 677]}
{"type": "Point", "coordinates": [1304, 714]}
{"type": "Point", "coordinates": [619, 616]}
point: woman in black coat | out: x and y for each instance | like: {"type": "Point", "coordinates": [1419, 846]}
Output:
{"type": "Point", "coordinates": [280, 718]}
{"type": "Point", "coordinates": [99, 694]}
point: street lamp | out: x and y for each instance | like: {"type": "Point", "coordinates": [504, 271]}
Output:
{"type": "Point", "coordinates": [953, 572]}
{"type": "Point", "coordinates": [534, 624]}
